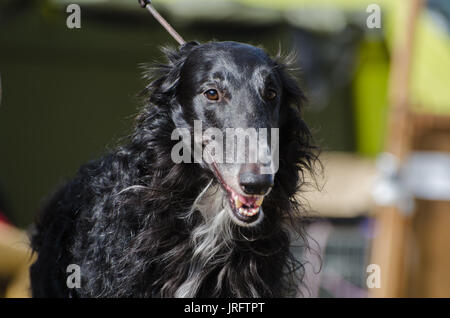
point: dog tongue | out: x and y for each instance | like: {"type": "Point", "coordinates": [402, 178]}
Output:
{"type": "Point", "coordinates": [248, 201]}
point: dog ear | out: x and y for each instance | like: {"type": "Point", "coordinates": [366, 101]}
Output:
{"type": "Point", "coordinates": [297, 151]}
{"type": "Point", "coordinates": [292, 98]}
{"type": "Point", "coordinates": [188, 47]}
{"type": "Point", "coordinates": [164, 78]}
{"type": "Point", "coordinates": [175, 55]}
{"type": "Point", "coordinates": [292, 95]}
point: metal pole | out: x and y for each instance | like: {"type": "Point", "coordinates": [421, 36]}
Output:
{"type": "Point", "coordinates": [148, 5]}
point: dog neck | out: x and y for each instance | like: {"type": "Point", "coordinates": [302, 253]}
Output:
{"type": "Point", "coordinates": [210, 241]}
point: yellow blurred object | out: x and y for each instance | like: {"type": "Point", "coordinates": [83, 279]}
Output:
{"type": "Point", "coordinates": [15, 260]}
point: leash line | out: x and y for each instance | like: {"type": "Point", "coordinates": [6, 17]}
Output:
{"type": "Point", "coordinates": [148, 5]}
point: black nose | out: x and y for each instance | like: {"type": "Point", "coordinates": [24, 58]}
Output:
{"type": "Point", "coordinates": [255, 183]}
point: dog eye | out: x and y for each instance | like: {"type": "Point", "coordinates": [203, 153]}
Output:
{"type": "Point", "coordinates": [212, 94]}
{"type": "Point", "coordinates": [271, 94]}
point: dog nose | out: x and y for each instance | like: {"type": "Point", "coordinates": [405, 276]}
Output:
{"type": "Point", "coordinates": [255, 183]}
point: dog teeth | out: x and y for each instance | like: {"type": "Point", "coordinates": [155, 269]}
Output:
{"type": "Point", "coordinates": [248, 212]}
{"type": "Point", "coordinates": [239, 205]}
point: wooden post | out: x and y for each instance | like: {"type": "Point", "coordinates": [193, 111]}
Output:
{"type": "Point", "coordinates": [389, 248]}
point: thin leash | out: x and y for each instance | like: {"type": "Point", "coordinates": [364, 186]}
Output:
{"type": "Point", "coordinates": [148, 5]}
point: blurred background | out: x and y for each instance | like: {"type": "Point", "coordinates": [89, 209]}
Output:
{"type": "Point", "coordinates": [379, 108]}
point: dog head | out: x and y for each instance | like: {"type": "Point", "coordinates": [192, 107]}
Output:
{"type": "Point", "coordinates": [236, 113]}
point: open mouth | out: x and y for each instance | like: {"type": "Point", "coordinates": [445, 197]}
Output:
{"type": "Point", "coordinates": [246, 209]}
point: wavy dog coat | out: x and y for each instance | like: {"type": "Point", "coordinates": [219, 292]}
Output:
{"type": "Point", "coordinates": [140, 225]}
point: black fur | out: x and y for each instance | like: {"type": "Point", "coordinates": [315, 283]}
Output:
{"type": "Point", "coordinates": [138, 243]}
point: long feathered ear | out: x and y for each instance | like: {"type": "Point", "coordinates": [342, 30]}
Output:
{"type": "Point", "coordinates": [293, 96]}
{"type": "Point", "coordinates": [163, 78]}
{"type": "Point", "coordinates": [298, 154]}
